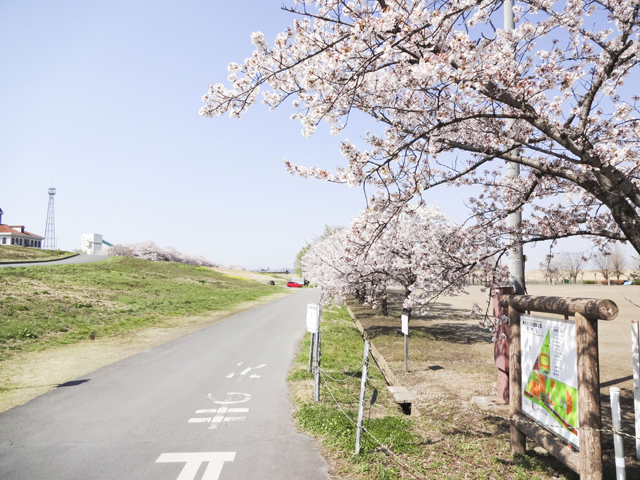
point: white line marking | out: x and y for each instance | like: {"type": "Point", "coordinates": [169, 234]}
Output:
{"type": "Point", "coordinates": [247, 370]}
{"type": "Point", "coordinates": [231, 410]}
{"type": "Point", "coordinates": [194, 460]}
{"type": "Point", "coordinates": [199, 420]}
{"type": "Point", "coordinates": [235, 370]}
{"type": "Point", "coordinates": [228, 400]}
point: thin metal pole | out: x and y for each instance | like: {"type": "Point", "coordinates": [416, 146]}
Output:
{"type": "Point", "coordinates": [316, 386]}
{"type": "Point", "coordinates": [311, 344]}
{"type": "Point", "coordinates": [363, 385]}
{"type": "Point", "coordinates": [618, 445]}
{"type": "Point", "coordinates": [406, 353]}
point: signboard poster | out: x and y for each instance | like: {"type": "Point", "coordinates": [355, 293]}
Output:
{"type": "Point", "coordinates": [404, 327]}
{"type": "Point", "coordinates": [550, 374]}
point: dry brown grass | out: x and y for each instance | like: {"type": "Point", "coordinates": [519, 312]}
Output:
{"type": "Point", "coordinates": [451, 360]}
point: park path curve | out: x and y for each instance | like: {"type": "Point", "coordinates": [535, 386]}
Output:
{"type": "Point", "coordinates": [210, 405]}
{"type": "Point", "coordinates": [64, 261]}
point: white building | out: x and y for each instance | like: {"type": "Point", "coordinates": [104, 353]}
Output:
{"type": "Point", "coordinates": [17, 235]}
{"type": "Point", "coordinates": [91, 243]}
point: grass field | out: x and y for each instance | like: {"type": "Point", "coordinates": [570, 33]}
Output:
{"type": "Point", "coordinates": [10, 253]}
{"type": "Point", "coordinates": [443, 442]}
{"type": "Point", "coordinates": [451, 360]}
{"type": "Point", "coordinates": [47, 305]}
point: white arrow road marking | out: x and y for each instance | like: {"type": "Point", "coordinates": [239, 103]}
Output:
{"type": "Point", "coordinates": [194, 460]}
{"type": "Point", "coordinates": [235, 370]}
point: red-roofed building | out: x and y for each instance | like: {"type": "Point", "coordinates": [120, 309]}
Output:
{"type": "Point", "coordinates": [17, 235]}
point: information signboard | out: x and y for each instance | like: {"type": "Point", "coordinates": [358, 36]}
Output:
{"type": "Point", "coordinates": [313, 317]}
{"type": "Point", "coordinates": [405, 324]}
{"type": "Point", "coordinates": [550, 374]}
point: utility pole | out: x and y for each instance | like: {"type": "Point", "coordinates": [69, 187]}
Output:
{"type": "Point", "coordinates": [516, 256]}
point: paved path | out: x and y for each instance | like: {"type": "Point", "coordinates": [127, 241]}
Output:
{"type": "Point", "coordinates": [210, 405]}
{"type": "Point", "coordinates": [64, 261]}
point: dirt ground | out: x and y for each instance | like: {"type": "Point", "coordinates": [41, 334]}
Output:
{"type": "Point", "coordinates": [451, 357]}
{"type": "Point", "coordinates": [30, 374]}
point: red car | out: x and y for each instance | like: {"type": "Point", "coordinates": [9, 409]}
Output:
{"type": "Point", "coordinates": [294, 285]}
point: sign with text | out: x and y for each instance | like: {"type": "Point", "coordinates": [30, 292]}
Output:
{"type": "Point", "coordinates": [550, 374]}
{"type": "Point", "coordinates": [405, 324]}
{"type": "Point", "coordinates": [313, 317]}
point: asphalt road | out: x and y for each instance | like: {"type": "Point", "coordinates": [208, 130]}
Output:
{"type": "Point", "coordinates": [64, 261]}
{"type": "Point", "coordinates": [210, 405]}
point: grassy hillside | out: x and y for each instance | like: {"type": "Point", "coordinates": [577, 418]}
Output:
{"type": "Point", "coordinates": [61, 304]}
{"type": "Point", "coordinates": [11, 253]}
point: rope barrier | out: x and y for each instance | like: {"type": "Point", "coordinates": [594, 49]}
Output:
{"type": "Point", "coordinates": [394, 456]}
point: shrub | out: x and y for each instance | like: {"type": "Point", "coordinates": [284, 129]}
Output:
{"type": "Point", "coordinates": [589, 282]}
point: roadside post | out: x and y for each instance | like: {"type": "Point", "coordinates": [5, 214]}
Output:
{"type": "Point", "coordinates": [313, 322]}
{"type": "Point", "coordinates": [618, 445]}
{"type": "Point", "coordinates": [405, 329]}
{"type": "Point", "coordinates": [363, 385]}
{"type": "Point", "coordinates": [314, 311]}
{"type": "Point", "coordinates": [635, 355]}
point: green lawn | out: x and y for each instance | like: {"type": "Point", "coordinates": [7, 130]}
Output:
{"type": "Point", "coordinates": [12, 253]}
{"type": "Point", "coordinates": [45, 305]}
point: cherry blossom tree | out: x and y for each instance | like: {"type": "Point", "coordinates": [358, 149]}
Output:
{"type": "Point", "coordinates": [452, 94]}
{"type": "Point", "coordinates": [150, 251]}
{"type": "Point", "coordinates": [419, 249]}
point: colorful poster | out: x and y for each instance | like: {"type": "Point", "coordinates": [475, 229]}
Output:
{"type": "Point", "coordinates": [550, 374]}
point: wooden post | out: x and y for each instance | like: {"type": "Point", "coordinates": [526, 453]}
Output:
{"type": "Point", "coordinates": [501, 345]}
{"type": "Point", "coordinates": [518, 439]}
{"type": "Point", "coordinates": [589, 398]}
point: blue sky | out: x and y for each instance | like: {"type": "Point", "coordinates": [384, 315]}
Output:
{"type": "Point", "coordinates": [101, 100]}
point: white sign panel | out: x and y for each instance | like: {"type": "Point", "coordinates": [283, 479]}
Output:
{"type": "Point", "coordinates": [313, 317]}
{"type": "Point", "coordinates": [405, 324]}
{"type": "Point", "coordinates": [550, 374]}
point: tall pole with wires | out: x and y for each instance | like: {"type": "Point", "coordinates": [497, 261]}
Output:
{"type": "Point", "coordinates": [516, 256]}
{"type": "Point", "coordinates": [50, 229]}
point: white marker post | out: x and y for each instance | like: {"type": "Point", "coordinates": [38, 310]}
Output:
{"type": "Point", "coordinates": [363, 386]}
{"type": "Point", "coordinates": [614, 393]}
{"type": "Point", "coordinates": [405, 330]}
{"type": "Point", "coordinates": [314, 312]}
{"type": "Point", "coordinates": [313, 325]}
{"type": "Point", "coordinates": [635, 354]}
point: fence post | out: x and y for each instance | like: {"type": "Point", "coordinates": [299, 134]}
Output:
{"type": "Point", "coordinates": [518, 439]}
{"type": "Point", "coordinates": [311, 344]}
{"type": "Point", "coordinates": [405, 330]}
{"type": "Point", "coordinates": [589, 398]}
{"type": "Point", "coordinates": [363, 385]}
{"type": "Point", "coordinates": [316, 383]}
{"type": "Point", "coordinates": [635, 352]}
{"type": "Point", "coordinates": [614, 393]}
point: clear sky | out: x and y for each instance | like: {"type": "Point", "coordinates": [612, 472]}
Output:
{"type": "Point", "coordinates": [101, 100]}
